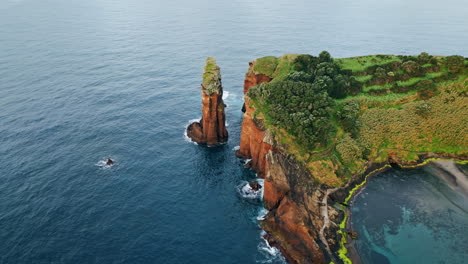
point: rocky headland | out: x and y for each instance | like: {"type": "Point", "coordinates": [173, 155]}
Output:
{"type": "Point", "coordinates": [308, 195]}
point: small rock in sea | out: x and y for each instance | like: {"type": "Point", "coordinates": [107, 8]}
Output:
{"type": "Point", "coordinates": [255, 185]}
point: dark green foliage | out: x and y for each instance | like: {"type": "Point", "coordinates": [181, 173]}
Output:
{"type": "Point", "coordinates": [348, 115]}
{"type": "Point", "coordinates": [380, 73]}
{"type": "Point", "coordinates": [306, 63]}
{"type": "Point", "coordinates": [325, 74]}
{"type": "Point", "coordinates": [300, 76]}
{"type": "Point", "coordinates": [455, 64]}
{"type": "Point", "coordinates": [303, 109]}
{"type": "Point", "coordinates": [424, 58]}
{"type": "Point", "coordinates": [324, 56]}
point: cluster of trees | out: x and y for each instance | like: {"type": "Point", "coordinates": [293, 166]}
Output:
{"type": "Point", "coordinates": [324, 72]}
{"type": "Point", "coordinates": [303, 109]}
{"type": "Point", "coordinates": [302, 103]}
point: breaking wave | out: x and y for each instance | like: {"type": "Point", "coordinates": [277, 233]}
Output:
{"type": "Point", "coordinates": [261, 214]}
{"type": "Point", "coordinates": [246, 191]}
{"type": "Point", "coordinates": [271, 254]}
{"type": "Point", "coordinates": [225, 95]}
{"type": "Point", "coordinates": [102, 163]}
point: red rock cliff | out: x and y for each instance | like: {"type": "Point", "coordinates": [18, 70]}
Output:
{"type": "Point", "coordinates": [211, 129]}
{"type": "Point", "coordinates": [294, 200]}
{"type": "Point", "coordinates": [252, 145]}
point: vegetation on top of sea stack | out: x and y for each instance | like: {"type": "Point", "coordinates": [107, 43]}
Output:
{"type": "Point", "coordinates": [211, 77]}
{"type": "Point", "coordinates": [336, 114]}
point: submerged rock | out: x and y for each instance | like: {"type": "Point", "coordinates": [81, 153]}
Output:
{"type": "Point", "coordinates": [109, 162]}
{"type": "Point", "coordinates": [211, 129]}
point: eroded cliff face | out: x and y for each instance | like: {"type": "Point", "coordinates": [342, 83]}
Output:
{"type": "Point", "coordinates": [211, 129]}
{"type": "Point", "coordinates": [252, 79]}
{"type": "Point", "coordinates": [298, 212]}
{"type": "Point", "coordinates": [308, 220]}
{"type": "Point", "coordinates": [255, 143]}
{"type": "Point", "coordinates": [297, 205]}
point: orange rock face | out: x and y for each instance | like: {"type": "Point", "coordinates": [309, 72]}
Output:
{"type": "Point", "coordinates": [252, 145]}
{"type": "Point", "coordinates": [293, 220]}
{"type": "Point", "coordinates": [211, 129]}
{"type": "Point", "coordinates": [252, 79]}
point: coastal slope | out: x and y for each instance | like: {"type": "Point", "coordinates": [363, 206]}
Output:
{"type": "Point", "coordinates": [366, 114]}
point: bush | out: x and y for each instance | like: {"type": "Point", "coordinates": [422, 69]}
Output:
{"type": "Point", "coordinates": [424, 109]}
{"type": "Point", "coordinates": [348, 116]}
{"type": "Point", "coordinates": [424, 58]}
{"type": "Point", "coordinates": [411, 67]}
{"type": "Point", "coordinates": [349, 149]}
{"type": "Point", "coordinates": [455, 64]}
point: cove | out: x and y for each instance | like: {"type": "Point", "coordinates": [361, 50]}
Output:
{"type": "Point", "coordinates": [410, 216]}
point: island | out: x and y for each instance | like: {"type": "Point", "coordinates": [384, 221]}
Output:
{"type": "Point", "coordinates": [315, 128]}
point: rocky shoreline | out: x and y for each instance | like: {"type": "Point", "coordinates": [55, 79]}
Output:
{"type": "Point", "coordinates": [307, 220]}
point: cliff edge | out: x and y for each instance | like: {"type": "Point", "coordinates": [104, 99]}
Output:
{"type": "Point", "coordinates": [211, 129]}
{"type": "Point", "coordinates": [401, 119]}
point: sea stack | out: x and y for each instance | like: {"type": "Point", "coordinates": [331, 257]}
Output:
{"type": "Point", "coordinates": [211, 129]}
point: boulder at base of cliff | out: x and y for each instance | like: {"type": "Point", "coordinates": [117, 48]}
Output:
{"type": "Point", "coordinates": [195, 132]}
{"type": "Point", "coordinates": [255, 185]}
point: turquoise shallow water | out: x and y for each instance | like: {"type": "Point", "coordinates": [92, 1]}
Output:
{"type": "Point", "coordinates": [84, 80]}
{"type": "Point", "coordinates": [410, 217]}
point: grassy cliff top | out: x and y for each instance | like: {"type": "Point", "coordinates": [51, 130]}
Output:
{"type": "Point", "coordinates": [400, 105]}
{"type": "Point", "coordinates": [211, 77]}
{"type": "Point", "coordinates": [274, 67]}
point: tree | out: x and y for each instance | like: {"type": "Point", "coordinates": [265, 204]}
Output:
{"type": "Point", "coordinates": [324, 56]}
{"type": "Point", "coordinates": [424, 58]}
{"type": "Point", "coordinates": [348, 116]}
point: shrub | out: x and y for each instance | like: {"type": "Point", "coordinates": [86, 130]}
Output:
{"type": "Point", "coordinates": [424, 58]}
{"type": "Point", "coordinates": [424, 109]}
{"type": "Point", "coordinates": [349, 149]}
{"type": "Point", "coordinates": [455, 63]}
{"type": "Point", "coordinates": [348, 116]}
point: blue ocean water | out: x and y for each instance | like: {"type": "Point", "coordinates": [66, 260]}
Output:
{"type": "Point", "coordinates": [81, 81]}
{"type": "Point", "coordinates": [410, 217]}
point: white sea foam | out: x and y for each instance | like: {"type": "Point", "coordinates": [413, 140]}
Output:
{"type": "Point", "coordinates": [103, 164]}
{"type": "Point", "coordinates": [261, 214]}
{"type": "Point", "coordinates": [225, 95]}
{"type": "Point", "coordinates": [186, 137]}
{"type": "Point", "coordinates": [236, 148]}
{"type": "Point", "coordinates": [247, 161]}
{"type": "Point", "coordinates": [246, 191]}
{"type": "Point", "coordinates": [271, 254]}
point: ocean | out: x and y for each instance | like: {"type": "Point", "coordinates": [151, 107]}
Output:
{"type": "Point", "coordinates": [81, 81]}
